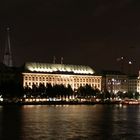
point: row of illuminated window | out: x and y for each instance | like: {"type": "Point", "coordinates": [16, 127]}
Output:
{"type": "Point", "coordinates": [117, 80]}
{"type": "Point", "coordinates": [61, 79]}
{"type": "Point", "coordinates": [75, 85]}
{"type": "Point", "coordinates": [114, 83]}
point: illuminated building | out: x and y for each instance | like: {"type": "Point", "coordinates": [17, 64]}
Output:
{"type": "Point", "coordinates": [134, 83]}
{"type": "Point", "coordinates": [73, 75]}
{"type": "Point", "coordinates": [114, 81]}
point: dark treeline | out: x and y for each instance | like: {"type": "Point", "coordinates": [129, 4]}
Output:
{"type": "Point", "coordinates": [10, 89]}
{"type": "Point", "coordinates": [48, 91]}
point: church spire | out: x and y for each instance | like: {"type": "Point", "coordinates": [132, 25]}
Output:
{"type": "Point", "coordinates": [8, 54]}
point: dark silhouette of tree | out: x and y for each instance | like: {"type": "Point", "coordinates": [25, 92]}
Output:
{"type": "Point", "coordinates": [11, 89]}
{"type": "Point", "coordinates": [136, 96]}
{"type": "Point", "coordinates": [107, 95]}
{"type": "Point", "coordinates": [69, 90]}
{"type": "Point", "coordinates": [87, 91]}
{"type": "Point", "coordinates": [81, 91]}
{"type": "Point", "coordinates": [49, 90]}
{"type": "Point", "coordinates": [41, 90]}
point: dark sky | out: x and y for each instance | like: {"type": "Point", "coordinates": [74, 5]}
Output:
{"type": "Point", "coordinates": [88, 32]}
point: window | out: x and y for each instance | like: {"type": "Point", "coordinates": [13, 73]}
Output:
{"type": "Point", "coordinates": [33, 78]}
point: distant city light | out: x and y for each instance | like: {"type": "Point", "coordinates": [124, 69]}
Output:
{"type": "Point", "coordinates": [1, 99]}
{"type": "Point", "coordinates": [130, 62]}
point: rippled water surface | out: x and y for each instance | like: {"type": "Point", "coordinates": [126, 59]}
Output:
{"type": "Point", "coordinates": [73, 122]}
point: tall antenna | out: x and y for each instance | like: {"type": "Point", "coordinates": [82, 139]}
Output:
{"type": "Point", "coordinates": [54, 59]}
{"type": "Point", "coordinates": [61, 60]}
{"type": "Point", "coordinates": [8, 54]}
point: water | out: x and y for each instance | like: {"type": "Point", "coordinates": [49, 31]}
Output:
{"type": "Point", "coordinates": [73, 122]}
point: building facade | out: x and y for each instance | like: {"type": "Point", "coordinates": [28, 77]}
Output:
{"type": "Point", "coordinates": [134, 83]}
{"type": "Point", "coordinates": [73, 75]}
{"type": "Point", "coordinates": [114, 81]}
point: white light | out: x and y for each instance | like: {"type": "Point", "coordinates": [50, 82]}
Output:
{"type": "Point", "coordinates": [130, 62]}
{"type": "Point", "coordinates": [37, 100]}
{"type": "Point", "coordinates": [1, 99]}
{"type": "Point", "coordinates": [42, 67]}
{"type": "Point", "coordinates": [26, 100]}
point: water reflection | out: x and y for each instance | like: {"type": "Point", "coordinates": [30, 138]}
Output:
{"type": "Point", "coordinates": [59, 122]}
{"type": "Point", "coordinates": [70, 122]}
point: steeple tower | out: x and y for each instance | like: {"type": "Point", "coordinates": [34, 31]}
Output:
{"type": "Point", "coordinates": [7, 54]}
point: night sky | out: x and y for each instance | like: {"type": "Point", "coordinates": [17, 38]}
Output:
{"type": "Point", "coordinates": [87, 32]}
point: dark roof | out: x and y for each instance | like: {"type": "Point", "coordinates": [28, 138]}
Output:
{"type": "Point", "coordinates": [111, 72]}
{"type": "Point", "coordinates": [133, 77]}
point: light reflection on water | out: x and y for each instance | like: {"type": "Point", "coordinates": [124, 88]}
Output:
{"type": "Point", "coordinates": [72, 122]}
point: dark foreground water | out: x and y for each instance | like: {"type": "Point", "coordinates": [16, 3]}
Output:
{"type": "Point", "coordinates": [73, 122]}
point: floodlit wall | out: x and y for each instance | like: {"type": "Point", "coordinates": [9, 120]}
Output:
{"type": "Point", "coordinates": [75, 81]}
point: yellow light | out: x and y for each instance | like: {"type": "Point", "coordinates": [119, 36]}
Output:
{"type": "Point", "coordinates": [37, 100]}
{"type": "Point", "coordinates": [43, 67]}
